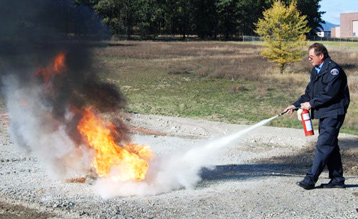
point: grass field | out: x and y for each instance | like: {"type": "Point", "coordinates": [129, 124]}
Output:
{"type": "Point", "coordinates": [221, 81]}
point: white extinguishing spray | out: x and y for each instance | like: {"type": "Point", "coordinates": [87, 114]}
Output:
{"type": "Point", "coordinates": [304, 116]}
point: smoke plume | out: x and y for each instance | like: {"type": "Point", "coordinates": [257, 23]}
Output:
{"type": "Point", "coordinates": [47, 72]}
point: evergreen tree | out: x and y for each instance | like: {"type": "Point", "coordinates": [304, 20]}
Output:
{"type": "Point", "coordinates": [184, 16]}
{"type": "Point", "coordinates": [149, 18]}
{"type": "Point", "coordinates": [112, 15]}
{"type": "Point", "coordinates": [283, 29]}
{"type": "Point", "coordinates": [249, 11]}
{"type": "Point", "coordinates": [310, 8]}
{"type": "Point", "coordinates": [227, 12]}
{"type": "Point", "coordinates": [119, 15]}
{"type": "Point", "coordinates": [205, 18]}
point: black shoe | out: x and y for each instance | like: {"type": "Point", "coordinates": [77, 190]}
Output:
{"type": "Point", "coordinates": [333, 184]}
{"type": "Point", "coordinates": [305, 185]}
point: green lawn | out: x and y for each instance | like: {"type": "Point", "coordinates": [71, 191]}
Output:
{"type": "Point", "coordinates": [219, 81]}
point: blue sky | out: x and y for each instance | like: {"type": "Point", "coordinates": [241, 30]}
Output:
{"type": "Point", "coordinates": [334, 8]}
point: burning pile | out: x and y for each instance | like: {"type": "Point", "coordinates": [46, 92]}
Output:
{"type": "Point", "coordinates": [54, 95]}
{"type": "Point", "coordinates": [131, 160]}
{"type": "Point", "coordinates": [100, 136]}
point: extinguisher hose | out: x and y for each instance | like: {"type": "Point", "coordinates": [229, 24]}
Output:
{"type": "Point", "coordinates": [282, 113]}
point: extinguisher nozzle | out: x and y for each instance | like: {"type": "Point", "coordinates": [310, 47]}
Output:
{"type": "Point", "coordinates": [282, 113]}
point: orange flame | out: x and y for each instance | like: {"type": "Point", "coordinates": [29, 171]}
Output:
{"type": "Point", "coordinates": [130, 160]}
{"type": "Point", "coordinates": [57, 67]}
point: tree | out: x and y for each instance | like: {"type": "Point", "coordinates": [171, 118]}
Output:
{"type": "Point", "coordinates": [149, 18]}
{"type": "Point", "coordinates": [249, 12]}
{"type": "Point", "coordinates": [310, 8]}
{"type": "Point", "coordinates": [204, 25]}
{"type": "Point", "coordinates": [119, 15]}
{"type": "Point", "coordinates": [283, 29]}
{"type": "Point", "coordinates": [207, 19]}
{"type": "Point", "coordinates": [111, 13]}
{"type": "Point", "coordinates": [184, 16]}
{"type": "Point", "coordinates": [227, 17]}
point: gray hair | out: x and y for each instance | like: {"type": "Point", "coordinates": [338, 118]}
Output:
{"type": "Point", "coordinates": [319, 49]}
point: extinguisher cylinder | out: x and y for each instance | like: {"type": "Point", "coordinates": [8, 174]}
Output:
{"type": "Point", "coordinates": [307, 122]}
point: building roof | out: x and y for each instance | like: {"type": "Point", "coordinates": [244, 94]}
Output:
{"type": "Point", "coordinates": [328, 26]}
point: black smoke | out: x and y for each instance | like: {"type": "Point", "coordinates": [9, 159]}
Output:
{"type": "Point", "coordinates": [32, 34]}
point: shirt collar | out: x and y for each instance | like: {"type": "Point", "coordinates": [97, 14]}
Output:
{"type": "Point", "coordinates": [318, 68]}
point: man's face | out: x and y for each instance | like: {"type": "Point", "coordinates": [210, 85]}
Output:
{"type": "Point", "coordinates": [315, 60]}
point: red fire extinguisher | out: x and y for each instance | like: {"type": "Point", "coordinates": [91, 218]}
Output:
{"type": "Point", "coordinates": [307, 123]}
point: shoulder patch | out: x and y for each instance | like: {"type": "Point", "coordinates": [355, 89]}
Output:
{"type": "Point", "coordinates": [334, 72]}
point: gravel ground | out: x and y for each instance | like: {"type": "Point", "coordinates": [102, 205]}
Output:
{"type": "Point", "coordinates": [254, 178]}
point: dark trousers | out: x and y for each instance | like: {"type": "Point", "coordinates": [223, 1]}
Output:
{"type": "Point", "coordinates": [327, 151]}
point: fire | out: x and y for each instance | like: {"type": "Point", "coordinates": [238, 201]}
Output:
{"type": "Point", "coordinates": [129, 160]}
{"type": "Point", "coordinates": [57, 67]}
{"type": "Point", "coordinates": [120, 161]}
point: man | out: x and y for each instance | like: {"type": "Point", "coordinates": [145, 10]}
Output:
{"type": "Point", "coordinates": [327, 96]}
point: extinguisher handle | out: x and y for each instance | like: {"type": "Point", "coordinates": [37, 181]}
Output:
{"type": "Point", "coordinates": [294, 109]}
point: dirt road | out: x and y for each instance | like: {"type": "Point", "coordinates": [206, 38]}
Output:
{"type": "Point", "coordinates": [253, 178]}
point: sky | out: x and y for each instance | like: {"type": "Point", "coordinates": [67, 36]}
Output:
{"type": "Point", "coordinates": [334, 8]}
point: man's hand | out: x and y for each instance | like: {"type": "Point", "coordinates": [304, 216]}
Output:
{"type": "Point", "coordinates": [289, 109]}
{"type": "Point", "coordinates": [306, 105]}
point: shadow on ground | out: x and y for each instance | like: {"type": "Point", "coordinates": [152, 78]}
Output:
{"type": "Point", "coordinates": [244, 171]}
{"type": "Point", "coordinates": [295, 164]}
{"type": "Point", "coordinates": [13, 211]}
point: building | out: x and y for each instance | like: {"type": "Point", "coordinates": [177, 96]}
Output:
{"type": "Point", "coordinates": [324, 33]}
{"type": "Point", "coordinates": [336, 32]}
{"type": "Point", "coordinates": [325, 30]}
{"type": "Point", "coordinates": [348, 26]}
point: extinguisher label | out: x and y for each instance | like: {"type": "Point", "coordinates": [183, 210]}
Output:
{"type": "Point", "coordinates": [306, 116]}
{"type": "Point", "coordinates": [308, 125]}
